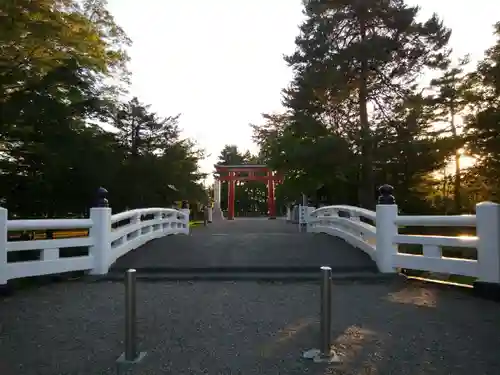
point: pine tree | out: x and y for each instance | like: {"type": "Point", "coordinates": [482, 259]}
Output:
{"type": "Point", "coordinates": [450, 100]}
{"type": "Point", "coordinates": [483, 124]}
{"type": "Point", "coordinates": [357, 56]}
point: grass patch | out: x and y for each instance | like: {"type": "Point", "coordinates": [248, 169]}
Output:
{"type": "Point", "coordinates": [43, 235]}
{"type": "Point", "coordinates": [59, 234]}
{"type": "Point", "coordinates": [460, 279]}
{"type": "Point", "coordinates": [195, 223]}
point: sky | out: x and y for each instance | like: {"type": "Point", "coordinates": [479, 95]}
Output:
{"type": "Point", "coordinates": [220, 64]}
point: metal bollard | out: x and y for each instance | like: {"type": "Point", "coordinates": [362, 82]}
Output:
{"type": "Point", "coordinates": [324, 354]}
{"type": "Point", "coordinates": [130, 356]}
{"type": "Point", "coordinates": [326, 310]}
{"type": "Point", "coordinates": [130, 315]}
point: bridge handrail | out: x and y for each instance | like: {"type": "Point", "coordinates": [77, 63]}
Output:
{"type": "Point", "coordinates": [436, 220]}
{"type": "Point", "coordinates": [351, 228]}
{"type": "Point", "coordinates": [108, 239]}
{"type": "Point", "coordinates": [383, 242]}
{"type": "Point", "coordinates": [141, 230]}
{"type": "Point", "coordinates": [31, 224]}
{"type": "Point", "coordinates": [142, 211]}
{"type": "Point", "coordinates": [358, 211]}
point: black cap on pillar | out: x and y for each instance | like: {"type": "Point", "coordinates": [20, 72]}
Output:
{"type": "Point", "coordinates": [102, 200]}
{"type": "Point", "coordinates": [386, 195]}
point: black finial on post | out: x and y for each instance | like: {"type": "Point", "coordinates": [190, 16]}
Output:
{"type": "Point", "coordinates": [102, 200]}
{"type": "Point", "coordinates": [386, 196]}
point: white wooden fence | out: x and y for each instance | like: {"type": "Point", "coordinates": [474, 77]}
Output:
{"type": "Point", "coordinates": [377, 234]}
{"type": "Point", "coordinates": [110, 236]}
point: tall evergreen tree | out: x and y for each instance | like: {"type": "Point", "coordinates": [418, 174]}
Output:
{"type": "Point", "coordinates": [357, 56]}
{"type": "Point", "coordinates": [450, 99]}
{"type": "Point", "coordinates": [483, 123]}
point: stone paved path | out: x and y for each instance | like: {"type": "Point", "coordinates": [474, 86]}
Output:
{"type": "Point", "coordinates": [246, 245]}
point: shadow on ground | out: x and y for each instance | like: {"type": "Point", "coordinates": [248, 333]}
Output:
{"type": "Point", "coordinates": [249, 328]}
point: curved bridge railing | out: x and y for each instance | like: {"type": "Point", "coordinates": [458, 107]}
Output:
{"type": "Point", "coordinates": [353, 224]}
{"type": "Point", "coordinates": [91, 244]}
{"type": "Point", "coordinates": [378, 233]}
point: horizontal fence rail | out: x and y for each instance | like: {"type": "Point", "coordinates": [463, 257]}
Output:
{"type": "Point", "coordinates": [92, 244]}
{"type": "Point", "coordinates": [396, 241]}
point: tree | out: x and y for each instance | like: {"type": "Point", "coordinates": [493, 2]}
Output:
{"type": "Point", "coordinates": [63, 63]}
{"type": "Point", "coordinates": [308, 160]}
{"type": "Point", "coordinates": [483, 123]}
{"type": "Point", "coordinates": [450, 99]}
{"type": "Point", "coordinates": [409, 149]}
{"type": "Point", "coordinates": [52, 57]}
{"type": "Point", "coordinates": [142, 131]}
{"type": "Point", "coordinates": [156, 155]}
{"type": "Point", "coordinates": [357, 56]}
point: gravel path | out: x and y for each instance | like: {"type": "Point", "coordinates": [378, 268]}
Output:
{"type": "Point", "coordinates": [247, 328]}
{"type": "Point", "coordinates": [244, 244]}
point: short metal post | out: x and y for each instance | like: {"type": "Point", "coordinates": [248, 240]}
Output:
{"type": "Point", "coordinates": [324, 354]}
{"type": "Point", "coordinates": [326, 310]}
{"type": "Point", "coordinates": [130, 315]}
{"type": "Point", "coordinates": [130, 356]}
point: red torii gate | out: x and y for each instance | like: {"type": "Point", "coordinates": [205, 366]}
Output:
{"type": "Point", "coordinates": [233, 173]}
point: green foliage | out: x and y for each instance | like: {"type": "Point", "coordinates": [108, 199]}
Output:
{"type": "Point", "coordinates": [355, 66]}
{"type": "Point", "coordinates": [63, 64]}
{"type": "Point", "coordinates": [483, 124]}
{"type": "Point", "coordinates": [357, 115]}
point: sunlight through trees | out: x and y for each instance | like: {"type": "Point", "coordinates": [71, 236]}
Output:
{"type": "Point", "coordinates": [357, 114]}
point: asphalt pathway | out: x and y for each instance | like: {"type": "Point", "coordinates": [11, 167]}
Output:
{"type": "Point", "coordinates": [246, 245]}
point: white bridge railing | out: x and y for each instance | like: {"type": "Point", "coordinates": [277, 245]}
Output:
{"type": "Point", "coordinates": [377, 234]}
{"type": "Point", "coordinates": [109, 237]}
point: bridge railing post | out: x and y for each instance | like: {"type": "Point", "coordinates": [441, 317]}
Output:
{"type": "Point", "coordinates": [100, 232]}
{"type": "Point", "coordinates": [288, 213]}
{"type": "Point", "coordinates": [210, 214]}
{"type": "Point", "coordinates": [3, 245]}
{"type": "Point", "coordinates": [488, 248]}
{"type": "Point", "coordinates": [386, 214]}
{"type": "Point", "coordinates": [302, 218]}
{"type": "Point", "coordinates": [186, 212]}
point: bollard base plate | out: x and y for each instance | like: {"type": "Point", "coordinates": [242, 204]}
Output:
{"type": "Point", "coordinates": [123, 365]}
{"type": "Point", "coordinates": [318, 357]}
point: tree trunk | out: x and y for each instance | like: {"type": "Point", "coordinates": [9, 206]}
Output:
{"type": "Point", "coordinates": [366, 190]}
{"type": "Point", "coordinates": [457, 178]}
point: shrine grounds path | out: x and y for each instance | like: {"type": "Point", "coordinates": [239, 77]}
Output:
{"type": "Point", "coordinates": [246, 248]}
{"type": "Point", "coordinates": [380, 325]}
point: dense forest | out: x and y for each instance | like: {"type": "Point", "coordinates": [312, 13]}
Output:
{"type": "Point", "coordinates": [67, 123]}
{"type": "Point", "coordinates": [378, 97]}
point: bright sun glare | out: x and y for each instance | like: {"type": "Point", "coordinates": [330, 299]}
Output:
{"type": "Point", "coordinates": [465, 160]}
